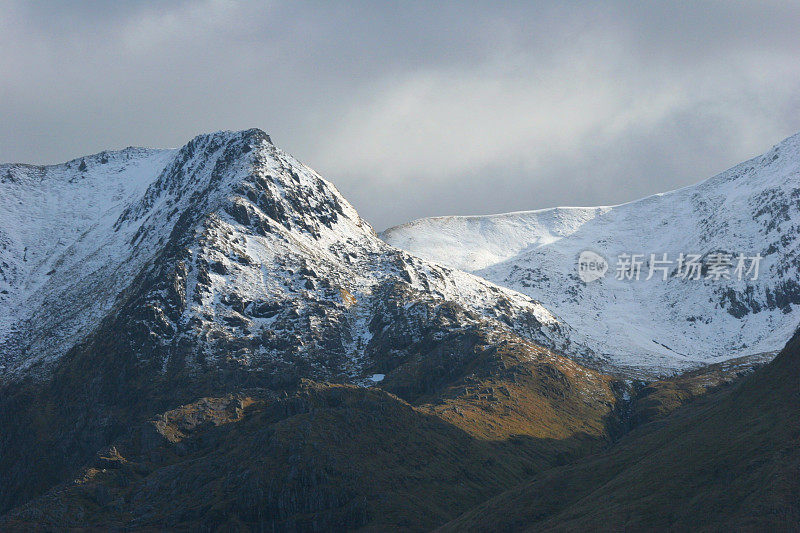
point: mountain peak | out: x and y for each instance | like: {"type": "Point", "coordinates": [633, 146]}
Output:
{"type": "Point", "coordinates": [235, 248]}
{"type": "Point", "coordinates": [249, 137]}
{"type": "Point", "coordinates": [91, 225]}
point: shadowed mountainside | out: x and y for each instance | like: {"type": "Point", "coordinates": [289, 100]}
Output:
{"type": "Point", "coordinates": [338, 457]}
{"type": "Point", "coordinates": [730, 460]}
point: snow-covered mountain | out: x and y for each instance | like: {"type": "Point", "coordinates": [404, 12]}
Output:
{"type": "Point", "coordinates": [225, 253]}
{"type": "Point", "coordinates": [168, 316]}
{"type": "Point", "coordinates": [230, 253]}
{"type": "Point", "coordinates": [752, 209]}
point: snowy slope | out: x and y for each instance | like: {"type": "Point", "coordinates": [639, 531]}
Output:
{"type": "Point", "coordinates": [227, 252]}
{"type": "Point", "coordinates": [57, 238]}
{"type": "Point", "coordinates": [473, 243]}
{"type": "Point", "coordinates": [753, 208]}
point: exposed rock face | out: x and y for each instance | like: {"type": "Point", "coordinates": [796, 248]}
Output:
{"type": "Point", "coordinates": [234, 253]}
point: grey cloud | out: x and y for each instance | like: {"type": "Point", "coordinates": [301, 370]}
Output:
{"type": "Point", "coordinates": [415, 108]}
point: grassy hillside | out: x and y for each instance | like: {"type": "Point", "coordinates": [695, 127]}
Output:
{"type": "Point", "coordinates": [339, 457]}
{"type": "Point", "coordinates": [726, 461]}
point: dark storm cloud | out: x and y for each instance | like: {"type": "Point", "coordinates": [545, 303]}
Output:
{"type": "Point", "coordinates": [415, 109]}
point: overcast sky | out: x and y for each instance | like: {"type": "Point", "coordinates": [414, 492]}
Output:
{"type": "Point", "coordinates": [415, 109]}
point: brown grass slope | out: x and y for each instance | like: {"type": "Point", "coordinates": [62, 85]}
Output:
{"type": "Point", "coordinates": [339, 457]}
{"type": "Point", "coordinates": [726, 461]}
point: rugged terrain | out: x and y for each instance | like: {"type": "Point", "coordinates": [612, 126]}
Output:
{"type": "Point", "coordinates": [211, 337]}
{"type": "Point", "coordinates": [233, 250]}
{"type": "Point", "coordinates": [335, 457]}
{"type": "Point", "coordinates": [229, 268]}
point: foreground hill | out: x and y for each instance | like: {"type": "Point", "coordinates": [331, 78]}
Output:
{"type": "Point", "coordinates": [729, 461]}
{"type": "Point", "coordinates": [753, 209]}
{"type": "Point", "coordinates": [328, 457]}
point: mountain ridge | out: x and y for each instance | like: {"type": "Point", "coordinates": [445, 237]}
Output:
{"type": "Point", "coordinates": [241, 195]}
{"type": "Point", "coordinates": [751, 209]}
{"type": "Point", "coordinates": [792, 139]}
